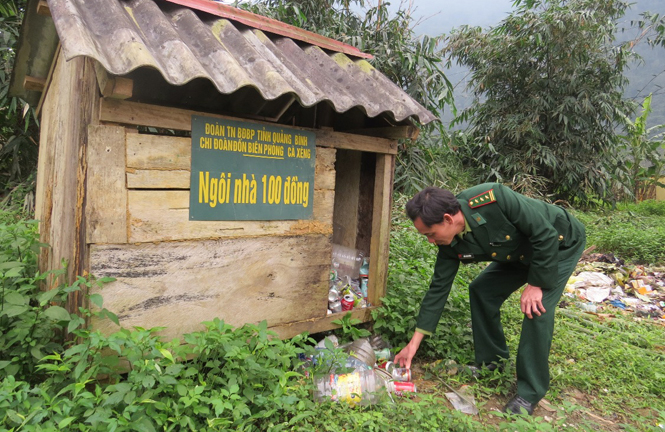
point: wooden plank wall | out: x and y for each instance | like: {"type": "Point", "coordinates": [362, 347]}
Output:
{"type": "Point", "coordinates": [181, 284]}
{"type": "Point", "coordinates": [158, 175]}
{"type": "Point", "coordinates": [69, 105]}
{"type": "Point", "coordinates": [176, 273]}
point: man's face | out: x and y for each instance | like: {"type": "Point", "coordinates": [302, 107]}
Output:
{"type": "Point", "coordinates": [442, 233]}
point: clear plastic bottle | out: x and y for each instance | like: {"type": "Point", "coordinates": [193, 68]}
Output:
{"type": "Point", "coordinates": [362, 386]}
{"type": "Point", "coordinates": [348, 259]}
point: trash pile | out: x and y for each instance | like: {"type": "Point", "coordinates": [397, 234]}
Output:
{"type": "Point", "coordinates": [349, 275]}
{"type": "Point", "coordinates": [604, 283]}
{"type": "Point", "coordinates": [365, 376]}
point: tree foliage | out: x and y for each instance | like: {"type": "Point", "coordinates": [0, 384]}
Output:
{"type": "Point", "coordinates": [548, 83]}
{"type": "Point", "coordinates": [644, 147]}
{"type": "Point", "coordinates": [18, 127]}
{"type": "Point", "coordinates": [653, 28]}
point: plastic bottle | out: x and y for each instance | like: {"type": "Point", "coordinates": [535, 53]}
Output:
{"type": "Point", "coordinates": [361, 386]}
{"type": "Point", "coordinates": [348, 259]}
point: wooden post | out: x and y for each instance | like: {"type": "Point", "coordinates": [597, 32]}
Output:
{"type": "Point", "coordinates": [70, 103]}
{"type": "Point", "coordinates": [380, 246]}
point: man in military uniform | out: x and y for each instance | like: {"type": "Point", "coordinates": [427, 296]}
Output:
{"type": "Point", "coordinates": [528, 242]}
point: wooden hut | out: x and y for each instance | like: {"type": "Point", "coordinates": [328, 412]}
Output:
{"type": "Point", "coordinates": [130, 91]}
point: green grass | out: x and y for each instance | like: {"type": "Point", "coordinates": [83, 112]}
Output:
{"type": "Point", "coordinates": [634, 232]}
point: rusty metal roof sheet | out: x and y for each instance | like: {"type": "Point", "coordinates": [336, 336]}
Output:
{"type": "Point", "coordinates": [184, 43]}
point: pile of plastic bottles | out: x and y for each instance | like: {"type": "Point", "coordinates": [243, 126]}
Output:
{"type": "Point", "coordinates": [348, 280]}
{"type": "Point", "coordinates": [361, 380]}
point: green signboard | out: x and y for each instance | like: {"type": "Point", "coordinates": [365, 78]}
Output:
{"type": "Point", "coordinates": [247, 171]}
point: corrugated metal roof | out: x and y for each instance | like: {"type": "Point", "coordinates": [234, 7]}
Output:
{"type": "Point", "coordinates": [270, 25]}
{"type": "Point", "coordinates": [184, 44]}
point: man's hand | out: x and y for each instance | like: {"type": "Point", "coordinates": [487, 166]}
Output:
{"type": "Point", "coordinates": [406, 355]}
{"type": "Point", "coordinates": [531, 302]}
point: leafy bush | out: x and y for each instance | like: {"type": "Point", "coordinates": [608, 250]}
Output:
{"type": "Point", "coordinates": [28, 329]}
{"type": "Point", "coordinates": [430, 161]}
{"type": "Point", "coordinates": [239, 379]}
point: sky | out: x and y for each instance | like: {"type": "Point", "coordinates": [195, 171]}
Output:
{"type": "Point", "coordinates": [440, 16]}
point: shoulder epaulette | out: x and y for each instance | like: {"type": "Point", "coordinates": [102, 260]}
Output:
{"type": "Point", "coordinates": [482, 199]}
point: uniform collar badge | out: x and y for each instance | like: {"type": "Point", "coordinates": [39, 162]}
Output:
{"type": "Point", "coordinates": [478, 218]}
{"type": "Point", "coordinates": [482, 199]}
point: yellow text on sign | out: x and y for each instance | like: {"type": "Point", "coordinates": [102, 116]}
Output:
{"type": "Point", "coordinates": [244, 190]}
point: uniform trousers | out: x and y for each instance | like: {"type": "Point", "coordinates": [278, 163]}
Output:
{"type": "Point", "coordinates": [489, 291]}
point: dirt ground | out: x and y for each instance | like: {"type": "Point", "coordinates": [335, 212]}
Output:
{"type": "Point", "coordinates": [549, 411]}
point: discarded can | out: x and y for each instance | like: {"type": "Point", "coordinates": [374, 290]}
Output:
{"type": "Point", "coordinates": [335, 306]}
{"type": "Point", "coordinates": [404, 387]}
{"type": "Point", "coordinates": [401, 374]}
{"type": "Point", "coordinates": [382, 354]}
{"type": "Point", "coordinates": [347, 302]}
{"type": "Point", "coordinates": [333, 295]}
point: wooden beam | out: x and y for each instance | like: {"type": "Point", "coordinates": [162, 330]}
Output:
{"type": "Point", "coordinates": [34, 84]}
{"type": "Point", "coordinates": [157, 179]}
{"type": "Point", "coordinates": [349, 141]}
{"type": "Point", "coordinates": [113, 87]}
{"type": "Point", "coordinates": [163, 162]}
{"type": "Point", "coordinates": [49, 78]}
{"type": "Point", "coordinates": [158, 152]}
{"type": "Point", "coordinates": [347, 190]}
{"type": "Point", "coordinates": [134, 113]}
{"type": "Point", "coordinates": [163, 215]}
{"type": "Point", "coordinates": [380, 244]}
{"type": "Point", "coordinates": [180, 284]}
{"type": "Point", "coordinates": [316, 325]}
{"type": "Point", "coordinates": [391, 132]}
{"type": "Point", "coordinates": [43, 9]}
{"type": "Point", "coordinates": [123, 88]}
{"type": "Point", "coordinates": [70, 105]}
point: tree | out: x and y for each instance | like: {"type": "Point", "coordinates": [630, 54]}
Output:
{"type": "Point", "coordinates": [18, 147]}
{"type": "Point", "coordinates": [548, 83]}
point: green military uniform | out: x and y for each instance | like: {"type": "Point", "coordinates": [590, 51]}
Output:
{"type": "Point", "coordinates": [528, 241]}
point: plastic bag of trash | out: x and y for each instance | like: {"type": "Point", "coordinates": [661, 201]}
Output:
{"type": "Point", "coordinates": [593, 279]}
{"type": "Point", "coordinates": [594, 286]}
{"type": "Point", "coordinates": [463, 400]}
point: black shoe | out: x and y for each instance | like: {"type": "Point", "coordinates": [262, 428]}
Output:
{"type": "Point", "coordinates": [517, 405]}
{"type": "Point", "coordinates": [477, 370]}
